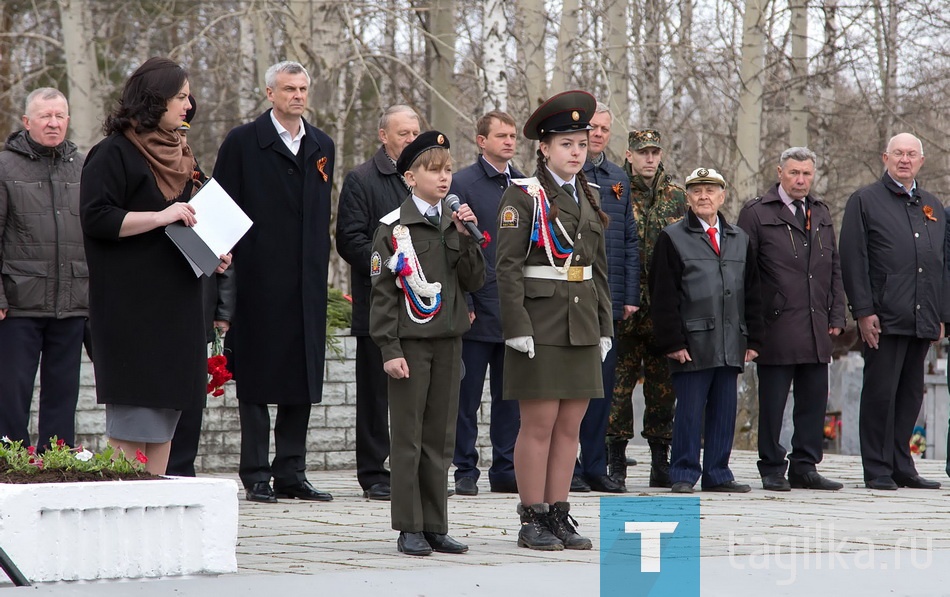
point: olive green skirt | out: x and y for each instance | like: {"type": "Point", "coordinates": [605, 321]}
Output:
{"type": "Point", "coordinates": [555, 372]}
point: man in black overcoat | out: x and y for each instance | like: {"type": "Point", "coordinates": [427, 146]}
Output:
{"type": "Point", "coordinates": [279, 169]}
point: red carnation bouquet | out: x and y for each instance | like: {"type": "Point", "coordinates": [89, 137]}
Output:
{"type": "Point", "coordinates": [218, 374]}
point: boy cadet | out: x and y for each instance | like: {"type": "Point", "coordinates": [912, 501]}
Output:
{"type": "Point", "coordinates": [421, 267]}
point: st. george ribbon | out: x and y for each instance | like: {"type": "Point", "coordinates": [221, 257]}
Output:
{"type": "Point", "coordinates": [454, 203]}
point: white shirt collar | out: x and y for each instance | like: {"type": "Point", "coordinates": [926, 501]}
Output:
{"type": "Point", "coordinates": [561, 182]}
{"type": "Point", "coordinates": [506, 171]}
{"type": "Point", "coordinates": [292, 143]}
{"type": "Point", "coordinates": [424, 207]}
{"type": "Point", "coordinates": [708, 226]}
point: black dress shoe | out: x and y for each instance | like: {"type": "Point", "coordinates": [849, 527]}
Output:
{"type": "Point", "coordinates": [578, 484]}
{"type": "Point", "coordinates": [261, 492]}
{"type": "Point", "coordinates": [304, 491]}
{"type": "Point", "coordinates": [605, 484]}
{"type": "Point", "coordinates": [378, 491]}
{"type": "Point", "coordinates": [916, 482]}
{"type": "Point", "coordinates": [812, 480]}
{"type": "Point", "coordinates": [682, 487]}
{"type": "Point", "coordinates": [881, 483]}
{"type": "Point", "coordinates": [466, 486]}
{"type": "Point", "coordinates": [775, 482]}
{"type": "Point", "coordinates": [729, 487]}
{"type": "Point", "coordinates": [442, 543]}
{"type": "Point", "coordinates": [413, 544]}
{"type": "Point", "coordinates": [507, 486]}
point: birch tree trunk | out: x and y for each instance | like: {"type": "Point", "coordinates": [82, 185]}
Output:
{"type": "Point", "coordinates": [566, 47]}
{"type": "Point", "coordinates": [886, 12]}
{"type": "Point", "coordinates": [749, 123]}
{"type": "Point", "coordinates": [532, 44]}
{"type": "Point", "coordinates": [618, 77]}
{"type": "Point", "coordinates": [82, 73]}
{"type": "Point", "coordinates": [649, 81]}
{"type": "Point", "coordinates": [251, 80]}
{"type": "Point", "coordinates": [495, 77]}
{"type": "Point", "coordinates": [827, 82]}
{"type": "Point", "coordinates": [797, 100]}
{"type": "Point", "coordinates": [440, 46]}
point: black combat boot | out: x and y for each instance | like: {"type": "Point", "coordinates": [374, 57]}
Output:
{"type": "Point", "coordinates": [617, 461]}
{"type": "Point", "coordinates": [535, 532]}
{"type": "Point", "coordinates": [660, 465]}
{"type": "Point", "coordinates": [562, 524]}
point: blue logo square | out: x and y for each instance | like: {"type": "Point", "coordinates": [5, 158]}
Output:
{"type": "Point", "coordinates": [649, 546]}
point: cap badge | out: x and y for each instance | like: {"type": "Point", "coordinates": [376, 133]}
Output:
{"type": "Point", "coordinates": [440, 140]}
{"type": "Point", "coordinates": [702, 172]}
{"type": "Point", "coordinates": [575, 116]}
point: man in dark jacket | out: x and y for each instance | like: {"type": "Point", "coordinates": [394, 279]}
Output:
{"type": "Point", "coordinates": [706, 310]}
{"type": "Point", "coordinates": [44, 298]}
{"type": "Point", "coordinates": [481, 186]}
{"type": "Point", "coordinates": [893, 265]}
{"type": "Point", "coordinates": [623, 275]}
{"type": "Point", "coordinates": [370, 191]}
{"type": "Point", "coordinates": [792, 236]}
{"type": "Point", "coordinates": [279, 169]}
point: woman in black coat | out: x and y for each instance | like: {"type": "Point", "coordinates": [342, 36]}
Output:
{"type": "Point", "coordinates": [145, 301]}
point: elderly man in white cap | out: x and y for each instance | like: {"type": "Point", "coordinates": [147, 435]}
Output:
{"type": "Point", "coordinates": [707, 319]}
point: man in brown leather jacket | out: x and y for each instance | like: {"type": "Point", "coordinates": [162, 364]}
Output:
{"type": "Point", "coordinates": [44, 296]}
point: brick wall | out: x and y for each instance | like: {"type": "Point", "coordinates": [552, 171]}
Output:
{"type": "Point", "coordinates": [332, 440]}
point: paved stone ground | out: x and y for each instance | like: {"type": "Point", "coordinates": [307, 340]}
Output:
{"type": "Point", "coordinates": [851, 542]}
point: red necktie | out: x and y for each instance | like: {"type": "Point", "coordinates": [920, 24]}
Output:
{"type": "Point", "coordinates": [712, 238]}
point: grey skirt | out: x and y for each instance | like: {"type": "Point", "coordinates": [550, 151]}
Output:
{"type": "Point", "coordinates": [141, 423]}
{"type": "Point", "coordinates": [555, 372]}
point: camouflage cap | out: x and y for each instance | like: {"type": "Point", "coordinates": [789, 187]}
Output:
{"type": "Point", "coordinates": [708, 175]}
{"type": "Point", "coordinates": [637, 140]}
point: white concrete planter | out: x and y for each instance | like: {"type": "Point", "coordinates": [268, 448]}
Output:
{"type": "Point", "coordinates": [116, 529]}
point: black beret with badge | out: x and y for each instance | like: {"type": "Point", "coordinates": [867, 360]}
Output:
{"type": "Point", "coordinates": [421, 144]}
{"type": "Point", "coordinates": [565, 112]}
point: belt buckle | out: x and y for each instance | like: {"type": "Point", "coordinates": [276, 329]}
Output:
{"type": "Point", "coordinates": [575, 274]}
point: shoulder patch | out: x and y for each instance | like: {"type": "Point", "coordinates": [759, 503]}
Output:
{"type": "Point", "coordinates": [390, 218]}
{"type": "Point", "coordinates": [509, 217]}
{"type": "Point", "coordinates": [375, 264]}
{"type": "Point", "coordinates": [524, 182]}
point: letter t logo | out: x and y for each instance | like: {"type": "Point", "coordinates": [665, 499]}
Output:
{"type": "Point", "coordinates": [650, 541]}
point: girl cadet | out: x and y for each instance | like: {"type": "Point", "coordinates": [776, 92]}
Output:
{"type": "Point", "coordinates": [421, 267]}
{"type": "Point", "coordinates": [551, 268]}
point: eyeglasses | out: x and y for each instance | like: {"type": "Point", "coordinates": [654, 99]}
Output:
{"type": "Point", "coordinates": [910, 155]}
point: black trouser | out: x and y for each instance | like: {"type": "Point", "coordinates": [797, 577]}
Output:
{"type": "Point", "coordinates": [808, 416]}
{"type": "Point", "coordinates": [22, 341]}
{"type": "Point", "coordinates": [890, 403]}
{"type": "Point", "coordinates": [593, 432]}
{"type": "Point", "coordinates": [184, 450]}
{"type": "Point", "coordinates": [289, 467]}
{"type": "Point", "coordinates": [372, 414]}
{"type": "Point", "coordinates": [478, 357]}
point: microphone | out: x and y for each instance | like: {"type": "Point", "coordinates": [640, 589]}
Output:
{"type": "Point", "coordinates": [454, 204]}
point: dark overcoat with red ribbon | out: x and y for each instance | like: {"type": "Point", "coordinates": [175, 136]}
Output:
{"type": "Point", "coordinates": [278, 335]}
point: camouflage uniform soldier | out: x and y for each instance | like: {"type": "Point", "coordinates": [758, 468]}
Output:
{"type": "Point", "coordinates": [657, 203]}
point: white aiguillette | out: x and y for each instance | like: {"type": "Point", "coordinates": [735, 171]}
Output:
{"type": "Point", "coordinates": [221, 224]}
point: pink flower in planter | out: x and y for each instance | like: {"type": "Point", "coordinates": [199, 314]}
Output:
{"type": "Point", "coordinates": [60, 442]}
{"type": "Point", "coordinates": [31, 450]}
{"type": "Point", "coordinates": [141, 457]}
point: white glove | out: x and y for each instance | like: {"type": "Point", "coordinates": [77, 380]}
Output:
{"type": "Point", "coordinates": [605, 345]}
{"type": "Point", "coordinates": [522, 344]}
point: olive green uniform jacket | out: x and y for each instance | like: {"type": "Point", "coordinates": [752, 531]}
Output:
{"type": "Point", "coordinates": [447, 257]}
{"type": "Point", "coordinates": [553, 312]}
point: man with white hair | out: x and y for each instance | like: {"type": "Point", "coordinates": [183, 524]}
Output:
{"type": "Point", "coordinates": [893, 265]}
{"type": "Point", "coordinates": [44, 298]}
{"type": "Point", "coordinates": [279, 169]}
